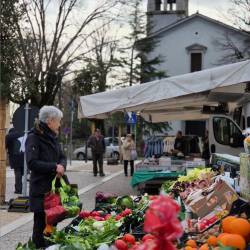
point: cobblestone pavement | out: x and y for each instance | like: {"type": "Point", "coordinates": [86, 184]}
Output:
{"type": "Point", "coordinates": [80, 173]}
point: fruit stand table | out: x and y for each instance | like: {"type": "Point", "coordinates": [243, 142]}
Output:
{"type": "Point", "coordinates": [151, 181]}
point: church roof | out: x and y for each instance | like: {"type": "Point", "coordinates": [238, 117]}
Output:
{"type": "Point", "coordinates": [186, 19]}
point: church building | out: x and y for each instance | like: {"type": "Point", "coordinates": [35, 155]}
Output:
{"type": "Point", "coordinates": [190, 43]}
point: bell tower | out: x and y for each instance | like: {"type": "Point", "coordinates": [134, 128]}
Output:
{"type": "Point", "coordinates": [161, 13]}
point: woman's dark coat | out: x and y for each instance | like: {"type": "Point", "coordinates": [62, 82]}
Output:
{"type": "Point", "coordinates": [43, 153]}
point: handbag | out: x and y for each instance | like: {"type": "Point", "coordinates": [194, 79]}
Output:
{"type": "Point", "coordinates": [133, 154]}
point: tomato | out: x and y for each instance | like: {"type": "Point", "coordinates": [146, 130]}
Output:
{"type": "Point", "coordinates": [107, 216]}
{"type": "Point", "coordinates": [121, 245]}
{"type": "Point", "coordinates": [95, 213]}
{"type": "Point", "coordinates": [148, 237]}
{"type": "Point", "coordinates": [84, 214]}
{"type": "Point", "coordinates": [129, 238]}
{"type": "Point", "coordinates": [118, 217]}
{"type": "Point", "coordinates": [126, 212]}
{"type": "Point", "coordinates": [98, 218]}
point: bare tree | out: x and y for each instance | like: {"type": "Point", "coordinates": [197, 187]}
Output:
{"type": "Point", "coordinates": [93, 77]}
{"type": "Point", "coordinates": [239, 15]}
{"type": "Point", "coordinates": [233, 52]}
{"type": "Point", "coordinates": [51, 44]}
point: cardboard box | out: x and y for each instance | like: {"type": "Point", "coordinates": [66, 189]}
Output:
{"type": "Point", "coordinates": [220, 195]}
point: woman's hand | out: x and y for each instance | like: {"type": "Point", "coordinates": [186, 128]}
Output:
{"type": "Point", "coordinates": [60, 170]}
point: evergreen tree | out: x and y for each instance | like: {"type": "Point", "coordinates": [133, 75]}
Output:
{"type": "Point", "coordinates": [9, 13]}
{"type": "Point", "coordinates": [141, 68]}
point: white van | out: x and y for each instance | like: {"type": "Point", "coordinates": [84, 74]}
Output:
{"type": "Point", "coordinates": [225, 135]}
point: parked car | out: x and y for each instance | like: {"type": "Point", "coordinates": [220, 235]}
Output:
{"type": "Point", "coordinates": [112, 150]}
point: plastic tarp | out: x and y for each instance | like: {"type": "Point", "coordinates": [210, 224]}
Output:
{"type": "Point", "coordinates": [175, 98]}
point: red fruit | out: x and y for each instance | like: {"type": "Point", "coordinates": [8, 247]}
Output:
{"type": "Point", "coordinates": [202, 226]}
{"type": "Point", "coordinates": [84, 214]}
{"type": "Point", "coordinates": [95, 213]}
{"type": "Point", "coordinates": [127, 211]}
{"type": "Point", "coordinates": [148, 237]}
{"type": "Point", "coordinates": [129, 238]}
{"type": "Point", "coordinates": [107, 216]}
{"type": "Point", "coordinates": [98, 218]}
{"type": "Point", "coordinates": [121, 245]}
{"type": "Point", "coordinates": [212, 219]}
{"type": "Point", "coordinates": [118, 217]}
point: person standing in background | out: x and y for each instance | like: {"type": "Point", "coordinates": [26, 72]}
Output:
{"type": "Point", "coordinates": [16, 157]}
{"type": "Point", "coordinates": [97, 144]}
{"type": "Point", "coordinates": [205, 150]}
{"type": "Point", "coordinates": [178, 144]}
{"type": "Point", "coordinates": [128, 146]}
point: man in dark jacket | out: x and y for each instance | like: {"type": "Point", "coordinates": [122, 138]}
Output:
{"type": "Point", "coordinates": [97, 144]}
{"type": "Point", "coordinates": [16, 157]}
{"type": "Point", "coordinates": [45, 161]}
{"type": "Point", "coordinates": [178, 144]}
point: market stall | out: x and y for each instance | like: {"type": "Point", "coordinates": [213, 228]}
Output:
{"type": "Point", "coordinates": [151, 173]}
{"type": "Point", "coordinates": [168, 98]}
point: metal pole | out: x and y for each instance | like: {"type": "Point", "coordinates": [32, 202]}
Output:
{"type": "Point", "coordinates": [135, 134]}
{"type": "Point", "coordinates": [71, 125]}
{"type": "Point", "coordinates": [25, 135]}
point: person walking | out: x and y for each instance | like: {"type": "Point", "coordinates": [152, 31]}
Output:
{"type": "Point", "coordinates": [16, 157]}
{"type": "Point", "coordinates": [128, 149]}
{"type": "Point", "coordinates": [97, 144]}
{"type": "Point", "coordinates": [45, 160]}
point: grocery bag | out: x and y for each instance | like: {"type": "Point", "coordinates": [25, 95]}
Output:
{"type": "Point", "coordinates": [69, 198]}
{"type": "Point", "coordinates": [54, 211]}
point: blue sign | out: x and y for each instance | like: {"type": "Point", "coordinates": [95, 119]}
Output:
{"type": "Point", "coordinates": [130, 118]}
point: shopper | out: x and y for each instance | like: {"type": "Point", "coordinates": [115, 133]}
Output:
{"type": "Point", "coordinates": [16, 157]}
{"type": "Point", "coordinates": [128, 154]}
{"type": "Point", "coordinates": [178, 144]}
{"type": "Point", "coordinates": [205, 150]}
{"type": "Point", "coordinates": [45, 161]}
{"type": "Point", "coordinates": [97, 144]}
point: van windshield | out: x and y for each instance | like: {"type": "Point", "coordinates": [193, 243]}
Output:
{"type": "Point", "coordinates": [226, 132]}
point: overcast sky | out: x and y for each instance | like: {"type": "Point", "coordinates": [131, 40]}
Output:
{"type": "Point", "coordinates": [216, 9]}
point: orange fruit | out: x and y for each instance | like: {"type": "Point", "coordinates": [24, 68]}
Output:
{"type": "Point", "coordinates": [189, 248]}
{"type": "Point", "coordinates": [204, 247]}
{"type": "Point", "coordinates": [212, 241]}
{"type": "Point", "coordinates": [222, 238]}
{"type": "Point", "coordinates": [225, 223]}
{"type": "Point", "coordinates": [191, 243]}
{"type": "Point", "coordinates": [240, 226]}
{"type": "Point", "coordinates": [233, 240]}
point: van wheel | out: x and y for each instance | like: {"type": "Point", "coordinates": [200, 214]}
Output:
{"type": "Point", "coordinates": [81, 156]}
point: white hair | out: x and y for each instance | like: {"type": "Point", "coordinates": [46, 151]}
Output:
{"type": "Point", "coordinates": [49, 112]}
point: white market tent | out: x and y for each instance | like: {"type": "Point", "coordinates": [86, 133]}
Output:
{"type": "Point", "coordinates": [179, 97]}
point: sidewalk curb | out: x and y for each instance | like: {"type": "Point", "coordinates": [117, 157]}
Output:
{"type": "Point", "coordinates": [28, 218]}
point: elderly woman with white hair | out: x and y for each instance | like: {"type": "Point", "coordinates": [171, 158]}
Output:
{"type": "Point", "coordinates": [45, 161]}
